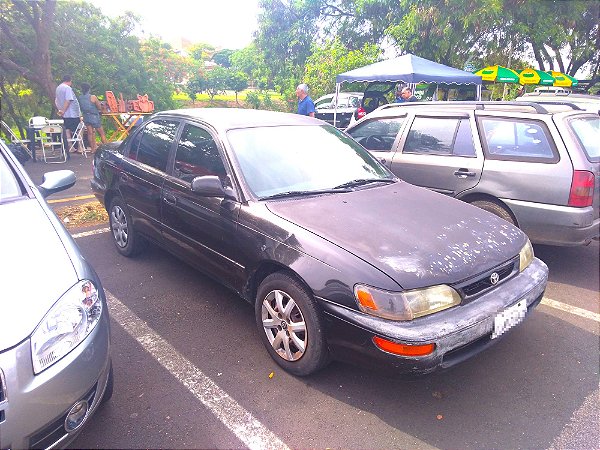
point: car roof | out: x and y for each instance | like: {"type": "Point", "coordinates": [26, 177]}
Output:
{"type": "Point", "coordinates": [563, 96]}
{"type": "Point", "coordinates": [228, 118]}
{"type": "Point", "coordinates": [507, 106]}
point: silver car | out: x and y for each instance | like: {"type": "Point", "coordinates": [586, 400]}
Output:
{"type": "Point", "coordinates": [55, 365]}
{"type": "Point", "coordinates": [535, 166]}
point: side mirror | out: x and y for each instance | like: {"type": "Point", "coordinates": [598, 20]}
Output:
{"type": "Point", "coordinates": [56, 181]}
{"type": "Point", "coordinates": [211, 186]}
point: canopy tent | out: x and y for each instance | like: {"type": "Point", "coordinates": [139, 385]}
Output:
{"type": "Point", "coordinates": [408, 69]}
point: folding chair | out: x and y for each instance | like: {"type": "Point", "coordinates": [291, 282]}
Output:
{"type": "Point", "coordinates": [37, 123]}
{"type": "Point", "coordinates": [78, 137]}
{"type": "Point", "coordinates": [14, 139]}
{"type": "Point", "coordinates": [53, 148]}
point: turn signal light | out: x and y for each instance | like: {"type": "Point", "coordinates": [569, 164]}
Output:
{"type": "Point", "coordinates": [403, 349]}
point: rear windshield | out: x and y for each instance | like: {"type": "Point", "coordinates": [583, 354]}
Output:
{"type": "Point", "coordinates": [587, 130]}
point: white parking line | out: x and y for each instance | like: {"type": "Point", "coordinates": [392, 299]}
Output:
{"type": "Point", "coordinates": [91, 233]}
{"type": "Point", "coordinates": [571, 309]}
{"type": "Point", "coordinates": [545, 301]}
{"type": "Point", "coordinates": [241, 422]}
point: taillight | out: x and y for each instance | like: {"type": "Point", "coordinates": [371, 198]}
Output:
{"type": "Point", "coordinates": [360, 112]}
{"type": "Point", "coordinates": [582, 189]}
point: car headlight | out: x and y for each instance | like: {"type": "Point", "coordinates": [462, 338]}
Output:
{"type": "Point", "coordinates": [67, 324]}
{"type": "Point", "coordinates": [525, 256]}
{"type": "Point", "coordinates": [406, 305]}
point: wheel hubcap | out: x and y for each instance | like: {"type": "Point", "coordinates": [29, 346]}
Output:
{"type": "Point", "coordinates": [119, 226]}
{"type": "Point", "coordinates": [284, 325]}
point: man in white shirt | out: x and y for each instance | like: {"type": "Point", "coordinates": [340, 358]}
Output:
{"type": "Point", "coordinates": [68, 107]}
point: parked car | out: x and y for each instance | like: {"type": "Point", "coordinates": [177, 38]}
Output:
{"type": "Point", "coordinates": [348, 103]}
{"type": "Point", "coordinates": [583, 101]}
{"type": "Point", "coordinates": [339, 257]}
{"type": "Point", "coordinates": [55, 365]}
{"type": "Point", "coordinates": [537, 169]}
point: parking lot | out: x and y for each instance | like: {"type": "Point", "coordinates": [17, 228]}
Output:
{"type": "Point", "coordinates": [191, 371]}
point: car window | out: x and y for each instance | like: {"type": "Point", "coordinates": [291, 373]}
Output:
{"type": "Point", "coordinates": [280, 159]}
{"type": "Point", "coordinates": [156, 140]}
{"type": "Point", "coordinates": [440, 136]}
{"type": "Point", "coordinates": [9, 186]}
{"type": "Point", "coordinates": [353, 102]}
{"type": "Point", "coordinates": [587, 130]}
{"type": "Point", "coordinates": [197, 155]}
{"type": "Point", "coordinates": [377, 134]}
{"type": "Point", "coordinates": [324, 102]}
{"type": "Point", "coordinates": [514, 139]}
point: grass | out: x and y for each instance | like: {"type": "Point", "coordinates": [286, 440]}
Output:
{"type": "Point", "coordinates": [86, 214]}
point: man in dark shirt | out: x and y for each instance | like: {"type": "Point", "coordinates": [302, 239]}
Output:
{"type": "Point", "coordinates": [306, 106]}
{"type": "Point", "coordinates": [406, 96]}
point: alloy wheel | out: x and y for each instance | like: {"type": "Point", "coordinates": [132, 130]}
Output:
{"type": "Point", "coordinates": [284, 325]}
{"type": "Point", "coordinates": [119, 226]}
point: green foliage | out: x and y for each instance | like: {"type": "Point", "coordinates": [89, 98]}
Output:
{"type": "Point", "coordinates": [216, 81]}
{"type": "Point", "coordinates": [196, 84]}
{"type": "Point", "coordinates": [222, 57]}
{"type": "Point", "coordinates": [253, 99]}
{"type": "Point", "coordinates": [332, 59]}
{"type": "Point", "coordinates": [201, 51]}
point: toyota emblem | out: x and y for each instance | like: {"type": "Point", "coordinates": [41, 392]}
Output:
{"type": "Point", "coordinates": [494, 278]}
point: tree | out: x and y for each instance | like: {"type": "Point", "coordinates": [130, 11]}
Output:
{"type": "Point", "coordinates": [332, 59]}
{"type": "Point", "coordinates": [222, 57]}
{"type": "Point", "coordinates": [250, 61]}
{"type": "Point", "coordinates": [236, 81]}
{"type": "Point", "coordinates": [216, 81]}
{"type": "Point", "coordinates": [286, 31]}
{"type": "Point", "coordinates": [196, 84]}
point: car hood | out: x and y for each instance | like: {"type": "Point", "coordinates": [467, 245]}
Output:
{"type": "Point", "coordinates": [415, 236]}
{"type": "Point", "coordinates": [35, 269]}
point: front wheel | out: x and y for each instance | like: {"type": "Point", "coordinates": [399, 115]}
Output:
{"type": "Point", "coordinates": [127, 241]}
{"type": "Point", "coordinates": [290, 325]}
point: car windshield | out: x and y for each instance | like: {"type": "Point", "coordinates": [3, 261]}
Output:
{"type": "Point", "coordinates": [9, 187]}
{"type": "Point", "coordinates": [587, 131]}
{"type": "Point", "coordinates": [303, 159]}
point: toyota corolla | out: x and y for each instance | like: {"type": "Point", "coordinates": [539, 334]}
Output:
{"type": "Point", "coordinates": [340, 258]}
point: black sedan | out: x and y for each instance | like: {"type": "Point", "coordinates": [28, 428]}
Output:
{"type": "Point", "coordinates": [340, 258]}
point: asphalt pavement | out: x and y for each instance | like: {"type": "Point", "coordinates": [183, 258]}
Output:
{"type": "Point", "coordinates": [80, 165]}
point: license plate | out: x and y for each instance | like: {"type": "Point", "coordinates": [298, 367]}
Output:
{"type": "Point", "coordinates": [508, 318]}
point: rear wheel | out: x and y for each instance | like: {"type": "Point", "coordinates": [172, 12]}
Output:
{"type": "Point", "coordinates": [127, 241]}
{"type": "Point", "coordinates": [290, 325]}
{"type": "Point", "coordinates": [497, 209]}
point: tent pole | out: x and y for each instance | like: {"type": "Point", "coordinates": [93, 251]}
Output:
{"type": "Point", "coordinates": [479, 92]}
{"type": "Point", "coordinates": [335, 104]}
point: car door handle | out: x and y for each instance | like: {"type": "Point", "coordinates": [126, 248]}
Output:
{"type": "Point", "coordinates": [170, 199]}
{"type": "Point", "coordinates": [125, 178]}
{"type": "Point", "coordinates": [383, 160]}
{"type": "Point", "coordinates": [464, 173]}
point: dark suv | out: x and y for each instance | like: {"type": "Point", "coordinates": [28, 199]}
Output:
{"type": "Point", "coordinates": [535, 166]}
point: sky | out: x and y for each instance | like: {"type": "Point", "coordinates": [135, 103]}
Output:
{"type": "Point", "coordinates": [221, 23]}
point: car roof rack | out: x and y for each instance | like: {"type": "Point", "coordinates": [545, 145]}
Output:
{"type": "Point", "coordinates": [491, 105]}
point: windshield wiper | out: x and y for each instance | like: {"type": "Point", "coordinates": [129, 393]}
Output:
{"type": "Point", "coordinates": [363, 181]}
{"type": "Point", "coordinates": [305, 193]}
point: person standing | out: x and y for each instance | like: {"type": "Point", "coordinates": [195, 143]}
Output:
{"type": "Point", "coordinates": [68, 107]}
{"type": "Point", "coordinates": [90, 108]}
{"type": "Point", "coordinates": [406, 96]}
{"type": "Point", "coordinates": [306, 106]}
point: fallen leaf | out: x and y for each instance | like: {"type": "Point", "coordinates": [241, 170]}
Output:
{"type": "Point", "coordinates": [271, 374]}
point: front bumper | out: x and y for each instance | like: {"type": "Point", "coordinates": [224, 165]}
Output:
{"type": "Point", "coordinates": [35, 406]}
{"type": "Point", "coordinates": [458, 333]}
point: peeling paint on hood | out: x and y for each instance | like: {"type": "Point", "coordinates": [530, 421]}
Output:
{"type": "Point", "coordinates": [416, 236]}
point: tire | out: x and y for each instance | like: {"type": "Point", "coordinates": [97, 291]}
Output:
{"type": "Point", "coordinates": [497, 209]}
{"type": "Point", "coordinates": [108, 390]}
{"type": "Point", "coordinates": [290, 325]}
{"type": "Point", "coordinates": [128, 242]}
